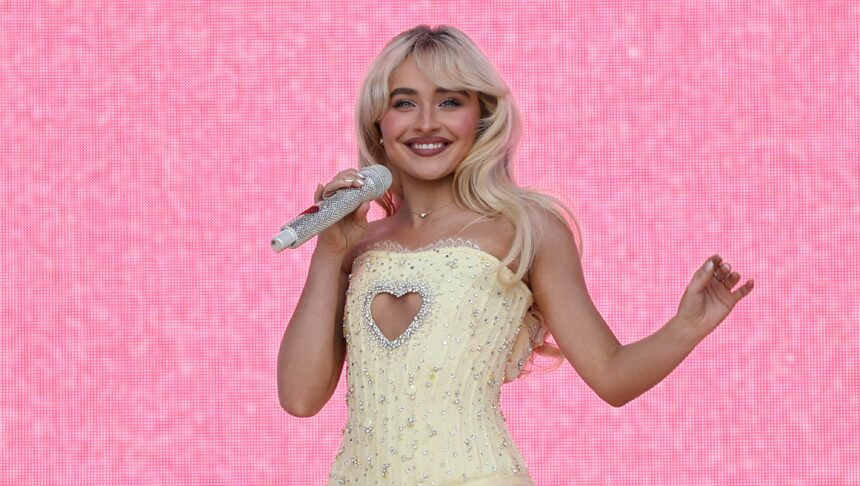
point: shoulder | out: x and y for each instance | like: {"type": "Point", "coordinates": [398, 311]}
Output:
{"type": "Point", "coordinates": [493, 233]}
{"type": "Point", "coordinates": [551, 229]}
{"type": "Point", "coordinates": [375, 231]}
{"type": "Point", "coordinates": [556, 252]}
{"type": "Point", "coordinates": [554, 235]}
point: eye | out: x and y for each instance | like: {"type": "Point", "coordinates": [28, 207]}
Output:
{"type": "Point", "coordinates": [451, 102]}
{"type": "Point", "coordinates": [402, 104]}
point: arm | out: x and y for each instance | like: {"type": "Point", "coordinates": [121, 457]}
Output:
{"type": "Point", "coordinates": [619, 373]}
{"type": "Point", "coordinates": [312, 351]}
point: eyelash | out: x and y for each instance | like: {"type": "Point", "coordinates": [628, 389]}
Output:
{"type": "Point", "coordinates": [399, 104]}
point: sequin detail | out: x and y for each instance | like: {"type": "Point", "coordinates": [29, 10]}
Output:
{"type": "Point", "coordinates": [425, 409]}
{"type": "Point", "coordinates": [398, 289]}
{"type": "Point", "coordinates": [453, 242]}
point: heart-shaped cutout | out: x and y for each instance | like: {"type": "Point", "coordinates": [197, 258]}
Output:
{"type": "Point", "coordinates": [394, 314]}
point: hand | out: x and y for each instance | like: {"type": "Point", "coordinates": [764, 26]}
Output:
{"type": "Point", "coordinates": [709, 297]}
{"type": "Point", "coordinates": [341, 236]}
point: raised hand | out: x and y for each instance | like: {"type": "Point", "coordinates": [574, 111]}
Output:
{"type": "Point", "coordinates": [341, 236]}
{"type": "Point", "coordinates": [709, 297]}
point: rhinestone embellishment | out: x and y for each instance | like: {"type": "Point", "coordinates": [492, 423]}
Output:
{"type": "Point", "coordinates": [394, 246]}
{"type": "Point", "coordinates": [398, 289]}
{"type": "Point", "coordinates": [424, 407]}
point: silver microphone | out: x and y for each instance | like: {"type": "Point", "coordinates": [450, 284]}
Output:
{"type": "Point", "coordinates": [315, 219]}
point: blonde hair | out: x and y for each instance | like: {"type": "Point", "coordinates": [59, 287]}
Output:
{"type": "Point", "coordinates": [482, 181]}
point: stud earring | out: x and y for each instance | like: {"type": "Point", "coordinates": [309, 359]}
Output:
{"type": "Point", "coordinates": [381, 142]}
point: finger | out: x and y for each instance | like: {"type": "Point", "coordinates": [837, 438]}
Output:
{"type": "Point", "coordinates": [718, 260]}
{"type": "Point", "coordinates": [722, 272]}
{"type": "Point", "coordinates": [318, 193]}
{"type": "Point", "coordinates": [352, 174]}
{"type": "Point", "coordinates": [339, 183]}
{"type": "Point", "coordinates": [347, 178]}
{"type": "Point", "coordinates": [703, 276]}
{"type": "Point", "coordinates": [743, 291]}
{"type": "Point", "coordinates": [357, 176]}
{"type": "Point", "coordinates": [731, 279]}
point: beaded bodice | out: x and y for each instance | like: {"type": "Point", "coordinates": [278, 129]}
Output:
{"type": "Point", "coordinates": [424, 406]}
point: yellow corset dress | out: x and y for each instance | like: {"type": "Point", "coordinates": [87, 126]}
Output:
{"type": "Point", "coordinates": [424, 408]}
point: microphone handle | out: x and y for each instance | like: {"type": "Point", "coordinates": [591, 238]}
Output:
{"type": "Point", "coordinates": [332, 209]}
{"type": "Point", "coordinates": [317, 219]}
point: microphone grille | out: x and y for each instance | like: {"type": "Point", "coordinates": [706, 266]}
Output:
{"type": "Point", "coordinates": [377, 180]}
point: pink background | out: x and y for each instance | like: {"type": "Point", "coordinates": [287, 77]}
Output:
{"type": "Point", "coordinates": [150, 150]}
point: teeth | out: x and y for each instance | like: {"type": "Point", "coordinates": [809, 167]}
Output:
{"type": "Point", "coordinates": [427, 146]}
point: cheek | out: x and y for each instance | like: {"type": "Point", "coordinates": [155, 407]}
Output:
{"type": "Point", "coordinates": [467, 126]}
{"type": "Point", "coordinates": [389, 123]}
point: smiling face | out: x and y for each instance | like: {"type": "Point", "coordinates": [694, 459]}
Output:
{"type": "Point", "coordinates": [427, 130]}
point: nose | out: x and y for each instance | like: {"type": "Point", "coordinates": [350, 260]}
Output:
{"type": "Point", "coordinates": [427, 121]}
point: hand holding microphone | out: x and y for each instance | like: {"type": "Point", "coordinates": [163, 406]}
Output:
{"type": "Point", "coordinates": [353, 188]}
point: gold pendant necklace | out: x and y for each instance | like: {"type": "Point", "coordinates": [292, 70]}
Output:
{"type": "Point", "coordinates": [424, 214]}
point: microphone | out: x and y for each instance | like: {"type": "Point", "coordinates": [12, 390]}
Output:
{"type": "Point", "coordinates": [315, 219]}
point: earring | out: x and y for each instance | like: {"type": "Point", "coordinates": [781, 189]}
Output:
{"type": "Point", "coordinates": [381, 142]}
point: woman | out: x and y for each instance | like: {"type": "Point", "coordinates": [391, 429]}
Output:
{"type": "Point", "coordinates": [445, 298]}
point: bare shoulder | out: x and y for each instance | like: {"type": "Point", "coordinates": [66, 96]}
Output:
{"type": "Point", "coordinates": [554, 234]}
{"type": "Point", "coordinates": [494, 234]}
{"type": "Point", "coordinates": [557, 262]}
{"type": "Point", "coordinates": [375, 231]}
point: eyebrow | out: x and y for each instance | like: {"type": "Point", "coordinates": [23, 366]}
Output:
{"type": "Point", "coordinates": [410, 91]}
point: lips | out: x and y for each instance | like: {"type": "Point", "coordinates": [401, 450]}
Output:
{"type": "Point", "coordinates": [427, 146]}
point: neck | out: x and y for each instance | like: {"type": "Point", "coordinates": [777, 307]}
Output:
{"type": "Point", "coordinates": [417, 201]}
{"type": "Point", "coordinates": [420, 217]}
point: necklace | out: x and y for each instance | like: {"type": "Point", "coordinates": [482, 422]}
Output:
{"type": "Point", "coordinates": [424, 214]}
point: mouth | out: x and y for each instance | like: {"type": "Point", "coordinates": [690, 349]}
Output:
{"type": "Point", "coordinates": [428, 149]}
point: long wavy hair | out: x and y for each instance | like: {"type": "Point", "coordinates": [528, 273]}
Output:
{"type": "Point", "coordinates": [482, 181]}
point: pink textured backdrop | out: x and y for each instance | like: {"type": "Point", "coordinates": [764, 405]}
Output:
{"type": "Point", "coordinates": [150, 149]}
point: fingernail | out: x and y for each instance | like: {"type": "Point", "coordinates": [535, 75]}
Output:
{"type": "Point", "coordinates": [361, 176]}
{"type": "Point", "coordinates": [360, 183]}
{"type": "Point", "coordinates": [710, 265]}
